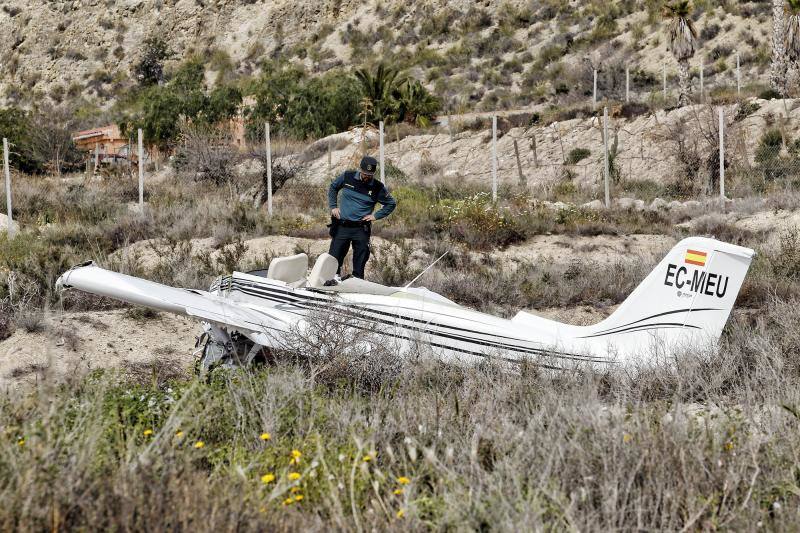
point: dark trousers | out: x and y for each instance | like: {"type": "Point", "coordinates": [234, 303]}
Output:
{"type": "Point", "coordinates": [340, 244]}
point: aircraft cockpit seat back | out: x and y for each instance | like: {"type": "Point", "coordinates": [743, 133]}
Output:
{"type": "Point", "coordinates": [291, 270]}
{"type": "Point", "coordinates": [324, 270]}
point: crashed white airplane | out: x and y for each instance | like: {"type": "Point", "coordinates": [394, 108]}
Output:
{"type": "Point", "coordinates": [684, 302]}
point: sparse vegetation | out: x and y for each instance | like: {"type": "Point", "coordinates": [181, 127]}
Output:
{"type": "Point", "coordinates": [309, 384]}
{"type": "Point", "coordinates": [330, 434]}
{"type": "Point", "coordinates": [449, 446]}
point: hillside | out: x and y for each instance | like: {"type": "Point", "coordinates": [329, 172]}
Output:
{"type": "Point", "coordinates": [496, 54]}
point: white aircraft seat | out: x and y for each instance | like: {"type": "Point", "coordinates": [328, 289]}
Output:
{"type": "Point", "coordinates": [323, 271]}
{"type": "Point", "coordinates": [291, 270]}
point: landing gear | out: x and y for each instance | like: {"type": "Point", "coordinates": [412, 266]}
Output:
{"type": "Point", "coordinates": [215, 348]}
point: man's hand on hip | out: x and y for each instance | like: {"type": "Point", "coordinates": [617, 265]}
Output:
{"type": "Point", "coordinates": [336, 213]}
{"type": "Point", "coordinates": [369, 218]}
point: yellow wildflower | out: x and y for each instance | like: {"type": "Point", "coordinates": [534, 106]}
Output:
{"type": "Point", "coordinates": [294, 476]}
{"type": "Point", "coordinates": [199, 444]}
{"type": "Point", "coordinates": [288, 501]}
{"type": "Point", "coordinates": [21, 442]}
{"type": "Point", "coordinates": [298, 497]}
{"type": "Point", "coordinates": [265, 436]}
{"type": "Point", "coordinates": [295, 457]}
{"type": "Point", "coordinates": [401, 513]}
{"type": "Point", "coordinates": [398, 492]}
{"type": "Point", "coordinates": [367, 458]}
{"type": "Point", "coordinates": [179, 434]}
{"type": "Point", "coordinates": [403, 480]}
{"type": "Point", "coordinates": [267, 478]}
{"type": "Point", "coordinates": [729, 445]}
{"type": "Point", "coordinates": [627, 437]}
{"type": "Point", "coordinates": [148, 432]}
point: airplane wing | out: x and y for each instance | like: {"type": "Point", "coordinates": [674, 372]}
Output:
{"type": "Point", "coordinates": [198, 304]}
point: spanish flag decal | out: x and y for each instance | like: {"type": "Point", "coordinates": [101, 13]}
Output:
{"type": "Point", "coordinates": [693, 257]}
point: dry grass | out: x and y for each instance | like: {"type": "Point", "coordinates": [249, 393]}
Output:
{"type": "Point", "coordinates": [703, 440]}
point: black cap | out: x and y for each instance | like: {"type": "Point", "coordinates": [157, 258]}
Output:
{"type": "Point", "coordinates": [368, 164]}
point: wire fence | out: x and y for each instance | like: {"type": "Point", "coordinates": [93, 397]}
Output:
{"type": "Point", "coordinates": [724, 74]}
{"type": "Point", "coordinates": [733, 150]}
{"type": "Point", "coordinates": [681, 152]}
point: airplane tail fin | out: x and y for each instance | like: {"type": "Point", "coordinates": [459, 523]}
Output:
{"type": "Point", "coordinates": [685, 300]}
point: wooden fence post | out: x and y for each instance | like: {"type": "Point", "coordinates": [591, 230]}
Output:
{"type": "Point", "coordinates": [627, 84]}
{"type": "Point", "coordinates": [522, 181]}
{"type": "Point", "coordinates": [721, 153]}
{"type": "Point", "coordinates": [141, 172]}
{"type": "Point", "coordinates": [606, 170]}
{"type": "Point", "coordinates": [494, 158]}
{"type": "Point", "coordinates": [381, 152]}
{"type": "Point", "coordinates": [7, 172]}
{"type": "Point", "coordinates": [269, 168]}
{"type": "Point", "coordinates": [702, 75]}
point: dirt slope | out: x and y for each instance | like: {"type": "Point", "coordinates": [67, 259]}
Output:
{"type": "Point", "coordinates": [73, 344]}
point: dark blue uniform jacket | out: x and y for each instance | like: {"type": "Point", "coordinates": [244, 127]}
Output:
{"type": "Point", "coordinates": [358, 198]}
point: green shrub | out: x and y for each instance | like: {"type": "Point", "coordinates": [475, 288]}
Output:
{"type": "Point", "coordinates": [150, 68]}
{"type": "Point", "coordinates": [478, 223]}
{"type": "Point", "coordinates": [576, 155]}
{"type": "Point", "coordinates": [770, 94]}
{"type": "Point", "coordinates": [15, 125]}
{"type": "Point", "coordinates": [565, 189]}
{"type": "Point", "coordinates": [745, 109]}
{"type": "Point", "coordinates": [302, 107]}
{"type": "Point", "coordinates": [157, 109]}
{"type": "Point", "coordinates": [768, 155]}
{"type": "Point", "coordinates": [394, 175]}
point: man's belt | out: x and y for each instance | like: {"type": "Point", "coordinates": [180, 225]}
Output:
{"type": "Point", "coordinates": [353, 223]}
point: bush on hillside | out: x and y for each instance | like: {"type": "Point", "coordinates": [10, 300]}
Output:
{"type": "Point", "coordinates": [478, 223]}
{"type": "Point", "coordinates": [40, 140]}
{"type": "Point", "coordinates": [150, 68]}
{"type": "Point", "coordinates": [300, 107]}
{"type": "Point", "coordinates": [15, 125]}
{"type": "Point", "coordinates": [577, 155]}
{"type": "Point", "coordinates": [158, 109]}
{"type": "Point", "coordinates": [206, 154]}
{"type": "Point", "coordinates": [768, 155]}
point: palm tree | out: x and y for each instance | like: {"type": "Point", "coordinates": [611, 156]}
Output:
{"type": "Point", "coordinates": [792, 38]}
{"type": "Point", "coordinates": [777, 75]}
{"type": "Point", "coordinates": [417, 105]}
{"type": "Point", "coordinates": [681, 39]}
{"type": "Point", "coordinates": [381, 89]}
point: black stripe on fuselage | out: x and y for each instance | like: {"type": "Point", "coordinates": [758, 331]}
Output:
{"type": "Point", "coordinates": [643, 327]}
{"type": "Point", "coordinates": [612, 330]}
{"type": "Point", "coordinates": [296, 298]}
{"type": "Point", "coordinates": [432, 343]}
{"type": "Point", "coordinates": [299, 297]}
{"type": "Point", "coordinates": [297, 301]}
{"type": "Point", "coordinates": [327, 298]}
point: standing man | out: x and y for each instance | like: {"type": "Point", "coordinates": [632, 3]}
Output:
{"type": "Point", "coordinates": [351, 215]}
